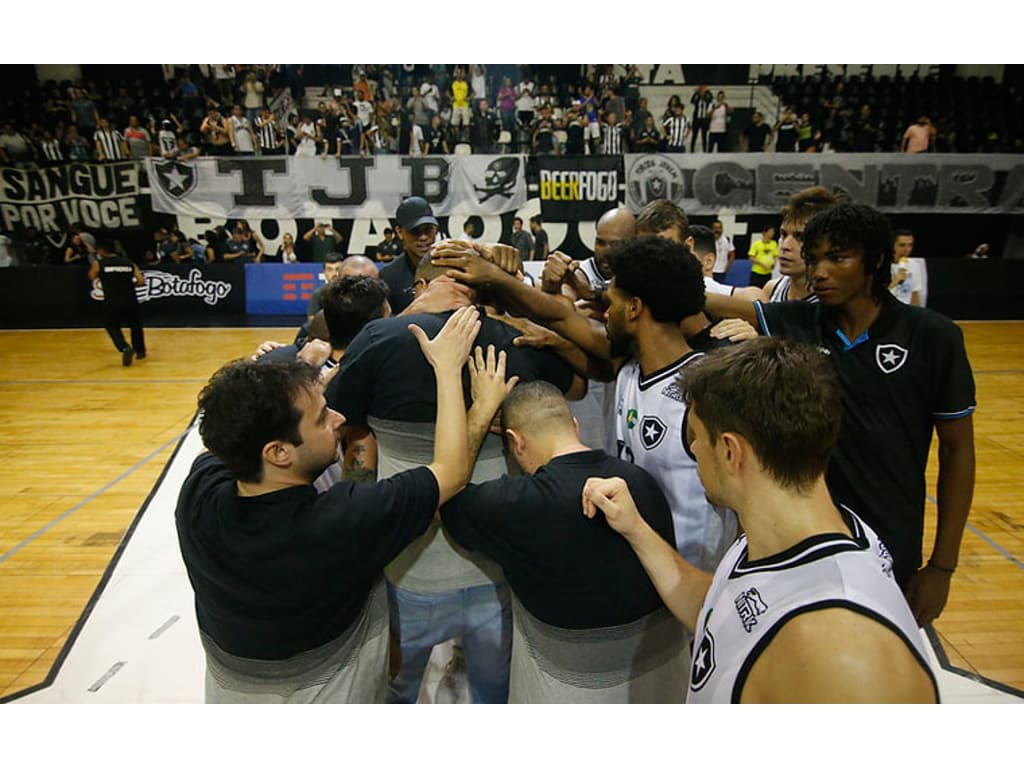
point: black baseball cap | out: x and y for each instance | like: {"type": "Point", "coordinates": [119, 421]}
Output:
{"type": "Point", "coordinates": [413, 212]}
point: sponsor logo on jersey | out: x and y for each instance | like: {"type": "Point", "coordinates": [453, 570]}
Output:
{"type": "Point", "coordinates": [631, 416]}
{"type": "Point", "coordinates": [886, 558]}
{"type": "Point", "coordinates": [890, 357]}
{"type": "Point", "coordinates": [674, 392]}
{"type": "Point", "coordinates": [749, 606]}
{"type": "Point", "coordinates": [652, 432]}
{"type": "Point", "coordinates": [703, 661]}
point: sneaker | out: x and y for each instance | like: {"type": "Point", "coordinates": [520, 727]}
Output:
{"type": "Point", "coordinates": [126, 356]}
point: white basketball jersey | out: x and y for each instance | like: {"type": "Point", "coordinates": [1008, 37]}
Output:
{"type": "Point", "coordinates": [781, 291]}
{"type": "Point", "coordinates": [589, 268]}
{"type": "Point", "coordinates": [750, 601]}
{"type": "Point", "coordinates": [649, 431]}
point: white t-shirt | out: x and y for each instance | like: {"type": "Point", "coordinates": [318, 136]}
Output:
{"type": "Point", "coordinates": [718, 122]}
{"type": "Point", "coordinates": [713, 286]}
{"type": "Point", "coordinates": [307, 145]}
{"type": "Point", "coordinates": [722, 247]}
{"type": "Point", "coordinates": [525, 101]}
{"type": "Point", "coordinates": [243, 133]}
{"type": "Point", "coordinates": [431, 95]}
{"type": "Point", "coordinates": [904, 291]}
{"type": "Point", "coordinates": [416, 141]}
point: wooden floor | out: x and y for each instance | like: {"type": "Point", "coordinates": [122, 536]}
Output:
{"type": "Point", "coordinates": [85, 440]}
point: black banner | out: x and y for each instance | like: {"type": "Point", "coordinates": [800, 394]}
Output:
{"type": "Point", "coordinates": [578, 188]}
{"type": "Point", "coordinates": [96, 196]}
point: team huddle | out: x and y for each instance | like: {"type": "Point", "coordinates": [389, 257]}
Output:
{"type": "Point", "coordinates": [629, 484]}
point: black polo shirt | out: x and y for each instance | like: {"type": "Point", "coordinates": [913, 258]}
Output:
{"type": "Point", "coordinates": [384, 373]}
{"type": "Point", "coordinates": [288, 571]}
{"type": "Point", "coordinates": [400, 275]}
{"type": "Point", "coordinates": [566, 569]}
{"type": "Point", "coordinates": [907, 371]}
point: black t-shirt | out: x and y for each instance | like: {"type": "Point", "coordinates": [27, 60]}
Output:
{"type": "Point", "coordinates": [384, 373]}
{"type": "Point", "coordinates": [288, 571]}
{"type": "Point", "coordinates": [540, 244]}
{"type": "Point", "coordinates": [574, 139]}
{"type": "Point", "coordinates": [400, 275]}
{"type": "Point", "coordinates": [909, 370]}
{"type": "Point", "coordinates": [117, 276]}
{"type": "Point", "coordinates": [787, 136]}
{"type": "Point", "coordinates": [756, 136]}
{"type": "Point", "coordinates": [567, 570]}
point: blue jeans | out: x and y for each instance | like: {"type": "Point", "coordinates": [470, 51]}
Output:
{"type": "Point", "coordinates": [481, 616]}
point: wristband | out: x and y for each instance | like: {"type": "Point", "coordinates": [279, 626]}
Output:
{"type": "Point", "coordinates": [940, 568]}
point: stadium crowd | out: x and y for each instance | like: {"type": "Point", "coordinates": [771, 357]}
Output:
{"type": "Point", "coordinates": [442, 109]}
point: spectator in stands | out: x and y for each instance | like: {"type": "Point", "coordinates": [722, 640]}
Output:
{"type": "Point", "coordinates": [540, 239]}
{"type": "Point", "coordinates": [919, 136]}
{"type": "Point", "coordinates": [305, 137]}
{"type": "Point", "coordinates": [437, 136]}
{"type": "Point", "coordinates": [110, 143]}
{"type": "Point", "coordinates": [507, 104]}
{"type": "Point", "coordinates": [214, 129]}
{"type": "Point", "coordinates": [904, 278]}
{"type": "Point", "coordinates": [864, 131]}
{"type": "Point", "coordinates": [611, 135]}
{"type": "Point", "coordinates": [787, 132]}
{"type": "Point", "coordinates": [640, 115]}
{"type": "Point", "coordinates": [575, 132]}
{"type": "Point", "coordinates": [431, 95]}
{"type": "Point", "coordinates": [460, 105]}
{"type": "Point", "coordinates": [243, 141]}
{"type": "Point", "coordinates": [757, 135]}
{"type": "Point", "coordinates": [525, 100]}
{"type": "Point", "coordinates": [327, 127]}
{"type": "Point", "coordinates": [676, 128]}
{"type": "Point", "coordinates": [76, 146]}
{"type": "Point", "coordinates": [647, 139]}
{"type": "Point", "coordinates": [484, 129]}
{"type": "Point", "coordinates": [810, 136]}
{"type": "Point", "coordinates": [351, 140]}
{"type": "Point", "coordinates": [79, 251]}
{"type": "Point", "coordinates": [521, 240]}
{"type": "Point", "coordinates": [417, 144]}
{"type": "Point", "coordinates": [242, 248]}
{"type": "Point", "coordinates": [85, 114]}
{"type": "Point", "coordinates": [322, 238]}
{"type": "Point", "coordinates": [718, 124]}
{"type": "Point", "coordinates": [252, 99]}
{"type": "Point", "coordinates": [478, 80]}
{"type": "Point", "coordinates": [286, 253]}
{"type": "Point", "coordinates": [50, 149]}
{"type": "Point", "coordinates": [184, 150]}
{"type": "Point", "coordinates": [269, 138]}
{"type": "Point", "coordinates": [543, 133]}
{"type": "Point", "coordinates": [15, 148]}
{"type": "Point", "coordinates": [702, 101]}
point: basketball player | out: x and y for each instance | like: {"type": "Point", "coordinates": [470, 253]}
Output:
{"type": "Point", "coordinates": [590, 277]}
{"type": "Point", "coordinates": [803, 608]}
{"type": "Point", "coordinates": [904, 372]}
{"type": "Point", "coordinates": [794, 284]}
{"type": "Point", "coordinates": [657, 283]}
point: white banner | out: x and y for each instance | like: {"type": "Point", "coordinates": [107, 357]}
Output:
{"type": "Point", "coordinates": [349, 187]}
{"type": "Point", "coordinates": [758, 182]}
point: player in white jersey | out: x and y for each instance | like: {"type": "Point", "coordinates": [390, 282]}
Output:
{"type": "Point", "coordinates": [657, 284]}
{"type": "Point", "coordinates": [649, 418]}
{"type": "Point", "coordinates": [804, 606]}
{"type": "Point", "coordinates": [793, 285]}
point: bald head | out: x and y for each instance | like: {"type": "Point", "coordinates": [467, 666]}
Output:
{"type": "Point", "coordinates": [358, 266]}
{"type": "Point", "coordinates": [536, 409]}
{"type": "Point", "coordinates": [615, 225]}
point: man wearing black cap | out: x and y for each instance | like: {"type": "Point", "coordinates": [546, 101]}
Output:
{"type": "Point", "coordinates": [417, 229]}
